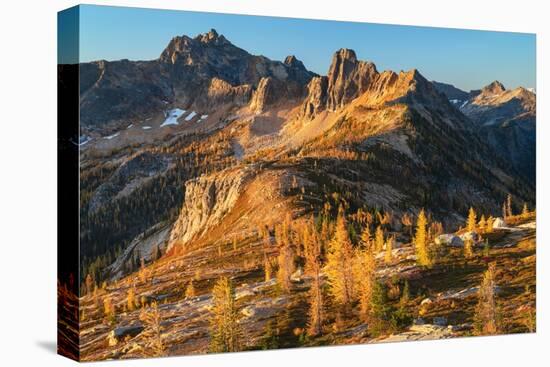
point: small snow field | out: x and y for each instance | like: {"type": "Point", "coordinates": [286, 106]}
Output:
{"type": "Point", "coordinates": [112, 136]}
{"type": "Point", "coordinates": [146, 127]}
{"type": "Point", "coordinates": [172, 117]}
{"type": "Point", "coordinates": [84, 140]}
{"type": "Point", "coordinates": [191, 116]}
{"type": "Point", "coordinates": [130, 126]}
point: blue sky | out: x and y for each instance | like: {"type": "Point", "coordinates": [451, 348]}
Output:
{"type": "Point", "coordinates": [466, 58]}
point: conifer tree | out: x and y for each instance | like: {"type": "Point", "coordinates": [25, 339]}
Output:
{"type": "Point", "coordinates": [379, 238]}
{"type": "Point", "coordinates": [89, 284]}
{"type": "Point", "coordinates": [225, 332]}
{"type": "Point", "coordinates": [486, 316]}
{"type": "Point", "coordinates": [312, 250]}
{"type": "Point", "coordinates": [109, 309]}
{"type": "Point", "coordinates": [525, 211]}
{"type": "Point", "coordinates": [190, 290]}
{"type": "Point", "coordinates": [489, 224]}
{"type": "Point", "coordinates": [482, 224]}
{"type": "Point", "coordinates": [509, 205]}
{"type": "Point", "coordinates": [468, 248]}
{"type": "Point", "coordinates": [421, 240]}
{"type": "Point", "coordinates": [339, 263]}
{"type": "Point", "coordinates": [389, 247]}
{"type": "Point", "coordinates": [152, 333]}
{"type": "Point", "coordinates": [285, 259]}
{"type": "Point", "coordinates": [131, 299]}
{"type": "Point", "coordinates": [379, 309]}
{"type": "Point", "coordinates": [366, 238]}
{"type": "Point", "coordinates": [365, 276]}
{"type": "Point", "coordinates": [471, 224]}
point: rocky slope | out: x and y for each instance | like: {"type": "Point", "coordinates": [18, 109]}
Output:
{"type": "Point", "coordinates": [504, 119]}
{"type": "Point", "coordinates": [196, 73]}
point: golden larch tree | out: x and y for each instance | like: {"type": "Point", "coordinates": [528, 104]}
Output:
{"type": "Point", "coordinates": [339, 263]}
{"type": "Point", "coordinates": [379, 238]}
{"type": "Point", "coordinates": [152, 334]}
{"type": "Point", "coordinates": [131, 299]}
{"type": "Point", "coordinates": [285, 259]}
{"type": "Point", "coordinates": [364, 268]}
{"type": "Point", "coordinates": [486, 315]}
{"type": "Point", "coordinates": [190, 290]}
{"type": "Point", "coordinates": [366, 238]}
{"type": "Point", "coordinates": [389, 248]}
{"type": "Point", "coordinates": [471, 223]}
{"type": "Point", "coordinates": [482, 224]}
{"type": "Point", "coordinates": [525, 211]}
{"type": "Point", "coordinates": [421, 240]}
{"type": "Point", "coordinates": [312, 252]}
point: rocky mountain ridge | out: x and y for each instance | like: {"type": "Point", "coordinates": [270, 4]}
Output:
{"type": "Point", "coordinates": [195, 73]}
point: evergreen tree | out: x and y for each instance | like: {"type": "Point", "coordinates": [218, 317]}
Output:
{"type": "Point", "coordinates": [380, 309]}
{"type": "Point", "coordinates": [225, 330]}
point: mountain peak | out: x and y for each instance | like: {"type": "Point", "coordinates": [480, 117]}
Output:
{"type": "Point", "coordinates": [345, 54]}
{"type": "Point", "coordinates": [212, 37]}
{"type": "Point", "coordinates": [293, 62]}
{"type": "Point", "coordinates": [495, 87]}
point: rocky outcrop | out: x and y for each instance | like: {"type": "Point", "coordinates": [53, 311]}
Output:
{"type": "Point", "coordinates": [207, 200]}
{"type": "Point", "coordinates": [348, 78]}
{"type": "Point", "coordinates": [141, 247]}
{"type": "Point", "coordinates": [219, 93]}
{"type": "Point", "coordinates": [316, 98]}
{"type": "Point", "coordinates": [267, 94]}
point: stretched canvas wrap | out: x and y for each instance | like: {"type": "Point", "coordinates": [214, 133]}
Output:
{"type": "Point", "coordinates": [233, 183]}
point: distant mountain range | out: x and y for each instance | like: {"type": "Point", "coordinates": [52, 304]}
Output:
{"type": "Point", "coordinates": [506, 120]}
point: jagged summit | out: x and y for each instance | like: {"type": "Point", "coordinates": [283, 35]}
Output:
{"type": "Point", "coordinates": [292, 61]}
{"type": "Point", "coordinates": [349, 78]}
{"type": "Point", "coordinates": [495, 87]}
{"type": "Point", "coordinates": [212, 37]}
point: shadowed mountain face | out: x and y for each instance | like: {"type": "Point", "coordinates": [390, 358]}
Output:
{"type": "Point", "coordinates": [505, 120]}
{"type": "Point", "coordinates": [199, 72]}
